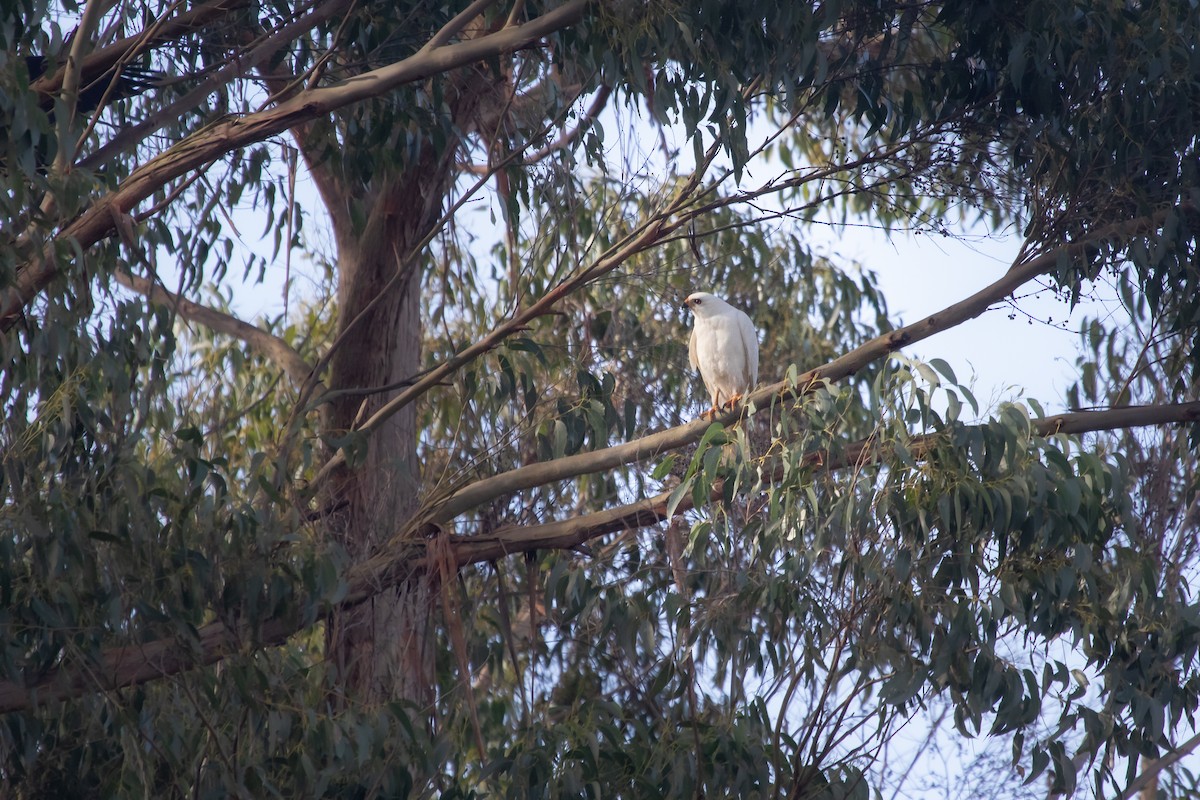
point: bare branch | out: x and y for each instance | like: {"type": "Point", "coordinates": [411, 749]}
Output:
{"type": "Point", "coordinates": [268, 345]}
{"type": "Point", "coordinates": [72, 75]}
{"type": "Point", "coordinates": [107, 57]}
{"type": "Point", "coordinates": [570, 137]}
{"type": "Point", "coordinates": [1150, 773]}
{"type": "Point", "coordinates": [133, 135]}
{"type": "Point", "coordinates": [135, 664]}
{"type": "Point", "coordinates": [515, 12]}
{"type": "Point", "coordinates": [455, 25]}
{"type": "Point", "coordinates": [566, 139]}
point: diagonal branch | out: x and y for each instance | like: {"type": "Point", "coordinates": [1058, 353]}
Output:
{"type": "Point", "coordinates": [567, 139]}
{"type": "Point", "coordinates": [129, 137]}
{"type": "Point", "coordinates": [578, 530]}
{"type": "Point", "coordinates": [195, 152]}
{"type": "Point", "coordinates": [104, 59]}
{"type": "Point", "coordinates": [455, 25]}
{"type": "Point", "coordinates": [268, 345]}
{"type": "Point", "coordinates": [72, 77]}
{"type": "Point", "coordinates": [1150, 773]}
{"type": "Point", "coordinates": [132, 665]}
{"type": "Point", "coordinates": [647, 447]}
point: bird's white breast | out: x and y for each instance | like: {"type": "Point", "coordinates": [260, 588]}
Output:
{"type": "Point", "coordinates": [721, 354]}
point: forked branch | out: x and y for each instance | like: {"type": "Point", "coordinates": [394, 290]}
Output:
{"type": "Point", "coordinates": [578, 530]}
{"type": "Point", "coordinates": [133, 665]}
{"type": "Point", "coordinates": [214, 141]}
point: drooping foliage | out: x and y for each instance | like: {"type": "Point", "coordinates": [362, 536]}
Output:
{"type": "Point", "coordinates": [620, 601]}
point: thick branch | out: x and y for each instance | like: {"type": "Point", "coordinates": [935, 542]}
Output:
{"type": "Point", "coordinates": [72, 75]}
{"type": "Point", "coordinates": [454, 26]}
{"type": "Point", "coordinates": [129, 666]}
{"type": "Point", "coordinates": [648, 511]}
{"type": "Point", "coordinates": [135, 664]}
{"type": "Point", "coordinates": [268, 345]}
{"type": "Point", "coordinates": [1150, 773]}
{"type": "Point", "coordinates": [131, 136]}
{"type": "Point", "coordinates": [647, 447]}
{"type": "Point", "coordinates": [206, 145]}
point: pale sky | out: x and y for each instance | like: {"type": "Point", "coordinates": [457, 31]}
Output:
{"type": "Point", "coordinates": [1033, 353]}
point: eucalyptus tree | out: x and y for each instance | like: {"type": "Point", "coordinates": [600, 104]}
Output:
{"type": "Point", "coordinates": [278, 557]}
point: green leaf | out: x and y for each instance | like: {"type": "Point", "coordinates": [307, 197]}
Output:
{"type": "Point", "coordinates": [664, 468]}
{"type": "Point", "coordinates": [678, 493]}
{"type": "Point", "coordinates": [944, 368]}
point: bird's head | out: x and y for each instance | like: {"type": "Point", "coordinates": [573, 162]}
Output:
{"type": "Point", "coordinates": [703, 304]}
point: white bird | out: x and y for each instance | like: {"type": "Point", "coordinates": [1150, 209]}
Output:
{"type": "Point", "coordinates": [724, 347]}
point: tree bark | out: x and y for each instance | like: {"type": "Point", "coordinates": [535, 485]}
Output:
{"type": "Point", "coordinates": [382, 649]}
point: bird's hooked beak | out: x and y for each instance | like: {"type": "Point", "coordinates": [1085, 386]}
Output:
{"type": "Point", "coordinates": [686, 306]}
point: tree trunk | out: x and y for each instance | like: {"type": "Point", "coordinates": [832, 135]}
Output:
{"type": "Point", "coordinates": [382, 649]}
{"type": "Point", "coordinates": [379, 648]}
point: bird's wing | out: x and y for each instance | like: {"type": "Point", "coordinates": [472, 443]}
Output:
{"type": "Point", "coordinates": [700, 354]}
{"type": "Point", "coordinates": [749, 338]}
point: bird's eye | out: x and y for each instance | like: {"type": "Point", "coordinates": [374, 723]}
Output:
{"type": "Point", "coordinates": [697, 302]}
